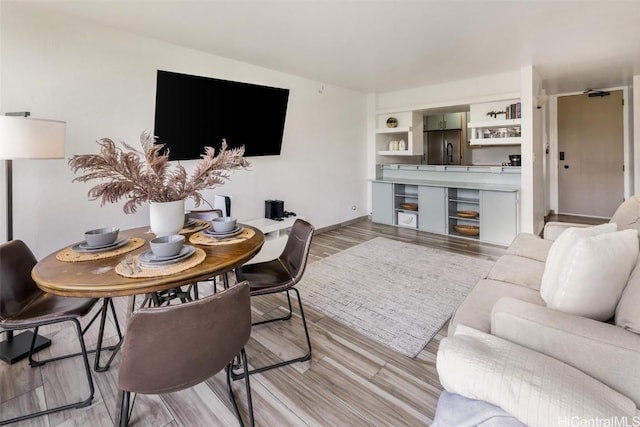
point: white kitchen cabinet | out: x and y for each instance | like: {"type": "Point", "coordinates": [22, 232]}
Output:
{"type": "Point", "coordinates": [382, 203]}
{"type": "Point", "coordinates": [408, 129]}
{"type": "Point", "coordinates": [486, 215]}
{"type": "Point", "coordinates": [432, 208]}
{"type": "Point", "coordinates": [498, 217]}
{"type": "Point", "coordinates": [444, 121]}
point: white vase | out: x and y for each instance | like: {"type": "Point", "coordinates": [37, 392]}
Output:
{"type": "Point", "coordinates": [166, 217]}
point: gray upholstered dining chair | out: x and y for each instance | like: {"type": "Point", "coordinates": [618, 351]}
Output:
{"type": "Point", "coordinates": [206, 335]}
{"type": "Point", "coordinates": [24, 306]}
{"type": "Point", "coordinates": [281, 275]}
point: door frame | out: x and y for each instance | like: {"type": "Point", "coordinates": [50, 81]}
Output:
{"type": "Point", "coordinates": [627, 148]}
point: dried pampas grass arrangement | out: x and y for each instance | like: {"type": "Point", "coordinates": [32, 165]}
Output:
{"type": "Point", "coordinates": [147, 176]}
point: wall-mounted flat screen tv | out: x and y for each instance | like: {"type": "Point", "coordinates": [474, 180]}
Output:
{"type": "Point", "coordinates": [193, 112]}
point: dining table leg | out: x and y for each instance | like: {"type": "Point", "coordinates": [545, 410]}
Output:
{"type": "Point", "coordinates": [114, 349]}
{"type": "Point", "coordinates": [117, 414]}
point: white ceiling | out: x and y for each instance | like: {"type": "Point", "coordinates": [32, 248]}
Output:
{"type": "Point", "coordinates": [378, 46]}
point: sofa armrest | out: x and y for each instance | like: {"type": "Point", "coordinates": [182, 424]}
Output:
{"type": "Point", "coordinates": [553, 229]}
{"type": "Point", "coordinates": [606, 352]}
{"type": "Point", "coordinates": [538, 390]}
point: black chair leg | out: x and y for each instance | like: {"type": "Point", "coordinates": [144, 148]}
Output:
{"type": "Point", "coordinates": [304, 358]}
{"type": "Point", "coordinates": [248, 387]}
{"type": "Point", "coordinates": [107, 302]}
{"type": "Point", "coordinates": [285, 317]}
{"type": "Point", "coordinates": [83, 403]}
{"type": "Point", "coordinates": [304, 323]}
{"type": "Point", "coordinates": [243, 356]}
{"type": "Point", "coordinates": [124, 409]}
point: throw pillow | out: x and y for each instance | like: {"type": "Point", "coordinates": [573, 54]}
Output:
{"type": "Point", "coordinates": [628, 309]}
{"type": "Point", "coordinates": [628, 214]}
{"type": "Point", "coordinates": [560, 248]}
{"type": "Point", "coordinates": [536, 389]}
{"type": "Point", "coordinates": [594, 274]}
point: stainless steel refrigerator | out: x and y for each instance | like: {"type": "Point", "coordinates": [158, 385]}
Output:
{"type": "Point", "coordinates": [442, 147]}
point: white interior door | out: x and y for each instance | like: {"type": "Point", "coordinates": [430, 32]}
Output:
{"type": "Point", "coordinates": [591, 158]}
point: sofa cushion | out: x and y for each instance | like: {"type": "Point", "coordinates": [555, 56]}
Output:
{"type": "Point", "coordinates": [536, 389]}
{"type": "Point", "coordinates": [553, 229]}
{"type": "Point", "coordinates": [475, 310]}
{"type": "Point", "coordinates": [594, 274]}
{"type": "Point", "coordinates": [628, 214]}
{"type": "Point", "coordinates": [628, 309]}
{"type": "Point", "coordinates": [585, 344]}
{"type": "Point", "coordinates": [518, 270]}
{"type": "Point", "coordinates": [529, 245]}
{"type": "Point", "coordinates": [560, 249]}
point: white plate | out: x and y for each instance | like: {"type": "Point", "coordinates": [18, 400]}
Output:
{"type": "Point", "coordinates": [149, 259]}
{"type": "Point", "coordinates": [190, 222]}
{"type": "Point", "coordinates": [84, 247]}
{"type": "Point", "coordinates": [219, 235]}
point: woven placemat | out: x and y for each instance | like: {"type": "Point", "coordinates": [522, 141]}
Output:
{"type": "Point", "coordinates": [202, 238]}
{"type": "Point", "coordinates": [162, 270]}
{"type": "Point", "coordinates": [197, 226]}
{"type": "Point", "coordinates": [69, 255]}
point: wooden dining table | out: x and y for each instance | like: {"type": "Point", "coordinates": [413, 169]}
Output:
{"type": "Point", "coordinates": [99, 279]}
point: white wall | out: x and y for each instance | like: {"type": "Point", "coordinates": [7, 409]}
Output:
{"type": "Point", "coordinates": [532, 194]}
{"type": "Point", "coordinates": [462, 92]}
{"type": "Point", "coordinates": [102, 83]}
{"type": "Point", "coordinates": [635, 131]}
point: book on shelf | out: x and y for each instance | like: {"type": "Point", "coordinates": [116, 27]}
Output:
{"type": "Point", "coordinates": [513, 111]}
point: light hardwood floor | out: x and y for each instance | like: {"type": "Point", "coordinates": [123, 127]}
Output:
{"type": "Point", "coordinates": [350, 381]}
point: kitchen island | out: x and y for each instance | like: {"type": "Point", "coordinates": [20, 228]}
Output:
{"type": "Point", "coordinates": [477, 202]}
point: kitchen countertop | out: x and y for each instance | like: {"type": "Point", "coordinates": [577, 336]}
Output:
{"type": "Point", "coordinates": [495, 169]}
{"type": "Point", "coordinates": [451, 184]}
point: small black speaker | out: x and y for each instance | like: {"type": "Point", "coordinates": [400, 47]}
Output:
{"type": "Point", "coordinates": [273, 209]}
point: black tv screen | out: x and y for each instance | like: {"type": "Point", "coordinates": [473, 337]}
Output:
{"type": "Point", "coordinates": [193, 112]}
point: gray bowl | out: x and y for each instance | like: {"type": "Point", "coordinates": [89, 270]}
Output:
{"type": "Point", "coordinates": [167, 245]}
{"type": "Point", "coordinates": [101, 236]}
{"type": "Point", "coordinates": [223, 224]}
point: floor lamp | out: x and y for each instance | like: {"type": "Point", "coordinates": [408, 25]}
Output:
{"type": "Point", "coordinates": [25, 138]}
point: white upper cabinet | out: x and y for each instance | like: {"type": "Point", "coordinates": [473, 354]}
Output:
{"type": "Point", "coordinates": [444, 121]}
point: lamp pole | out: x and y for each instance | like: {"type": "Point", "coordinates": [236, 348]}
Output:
{"type": "Point", "coordinates": [8, 167]}
{"type": "Point", "coordinates": [16, 348]}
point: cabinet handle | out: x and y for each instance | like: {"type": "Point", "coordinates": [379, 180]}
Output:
{"type": "Point", "coordinates": [440, 124]}
{"type": "Point", "coordinates": [445, 124]}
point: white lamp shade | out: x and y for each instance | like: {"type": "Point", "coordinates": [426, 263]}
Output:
{"type": "Point", "coordinates": [25, 138]}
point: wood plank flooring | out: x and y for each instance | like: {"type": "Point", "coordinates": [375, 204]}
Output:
{"type": "Point", "coordinates": [350, 381]}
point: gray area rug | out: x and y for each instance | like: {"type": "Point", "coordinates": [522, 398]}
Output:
{"type": "Point", "coordinates": [396, 293]}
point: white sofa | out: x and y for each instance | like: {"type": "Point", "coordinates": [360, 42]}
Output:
{"type": "Point", "coordinates": [543, 361]}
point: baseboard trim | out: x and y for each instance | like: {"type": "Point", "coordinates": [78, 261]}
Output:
{"type": "Point", "coordinates": [341, 224]}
